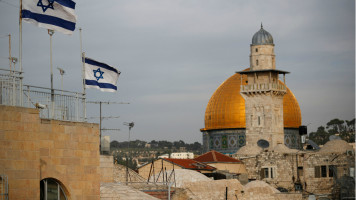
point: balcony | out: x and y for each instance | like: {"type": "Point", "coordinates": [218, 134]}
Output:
{"type": "Point", "coordinates": [66, 105]}
{"type": "Point", "coordinates": [265, 87]}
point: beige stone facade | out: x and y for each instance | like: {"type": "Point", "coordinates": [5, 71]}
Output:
{"type": "Point", "coordinates": [262, 57]}
{"type": "Point", "coordinates": [33, 149]}
{"type": "Point", "coordinates": [315, 172]}
{"type": "Point", "coordinates": [106, 169]}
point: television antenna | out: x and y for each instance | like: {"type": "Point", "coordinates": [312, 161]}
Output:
{"type": "Point", "coordinates": [130, 125]}
{"type": "Point", "coordinates": [101, 118]}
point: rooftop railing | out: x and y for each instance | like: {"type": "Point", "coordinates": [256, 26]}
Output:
{"type": "Point", "coordinates": [66, 105]}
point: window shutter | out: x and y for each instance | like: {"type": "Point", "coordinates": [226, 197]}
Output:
{"type": "Point", "coordinates": [262, 173]}
{"type": "Point", "coordinates": [317, 171]}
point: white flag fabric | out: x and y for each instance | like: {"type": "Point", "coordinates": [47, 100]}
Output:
{"type": "Point", "coordinates": [100, 75]}
{"type": "Point", "coordinates": [57, 15]}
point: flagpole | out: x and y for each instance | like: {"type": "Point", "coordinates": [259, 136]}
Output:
{"type": "Point", "coordinates": [20, 50]}
{"type": "Point", "coordinates": [82, 58]}
{"type": "Point", "coordinates": [50, 33]}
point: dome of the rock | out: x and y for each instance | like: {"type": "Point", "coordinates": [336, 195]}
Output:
{"type": "Point", "coordinates": [226, 108]}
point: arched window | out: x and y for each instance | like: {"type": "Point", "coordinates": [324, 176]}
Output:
{"type": "Point", "coordinates": [52, 190]}
{"type": "Point", "coordinates": [256, 49]}
{"type": "Point", "coordinates": [256, 62]}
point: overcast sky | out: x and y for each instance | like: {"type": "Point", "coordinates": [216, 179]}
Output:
{"type": "Point", "coordinates": [174, 54]}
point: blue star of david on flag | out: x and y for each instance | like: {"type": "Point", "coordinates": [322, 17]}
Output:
{"type": "Point", "coordinates": [94, 78]}
{"type": "Point", "coordinates": [57, 15]}
{"type": "Point", "coordinates": [96, 72]}
{"type": "Point", "coordinates": [45, 7]}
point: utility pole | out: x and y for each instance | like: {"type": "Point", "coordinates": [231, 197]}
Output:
{"type": "Point", "coordinates": [101, 118]}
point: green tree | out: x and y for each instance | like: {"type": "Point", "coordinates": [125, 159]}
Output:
{"type": "Point", "coordinates": [335, 126]}
{"type": "Point", "coordinates": [320, 137]}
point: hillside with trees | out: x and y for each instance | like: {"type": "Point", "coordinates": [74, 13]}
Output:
{"type": "Point", "coordinates": [139, 152]}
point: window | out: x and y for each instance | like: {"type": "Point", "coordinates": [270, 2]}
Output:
{"type": "Point", "coordinates": [332, 169]}
{"type": "Point", "coordinates": [259, 120]}
{"type": "Point", "coordinates": [267, 172]}
{"type": "Point", "coordinates": [256, 49]}
{"type": "Point", "coordinates": [317, 171]}
{"type": "Point", "coordinates": [256, 62]}
{"type": "Point", "coordinates": [51, 190]}
{"type": "Point", "coordinates": [324, 171]}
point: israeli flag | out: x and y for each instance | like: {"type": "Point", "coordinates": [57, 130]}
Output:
{"type": "Point", "coordinates": [101, 76]}
{"type": "Point", "coordinates": [57, 15]}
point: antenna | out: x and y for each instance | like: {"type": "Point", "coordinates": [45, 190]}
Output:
{"type": "Point", "coordinates": [130, 125]}
{"type": "Point", "coordinates": [101, 118]}
{"type": "Point", "coordinates": [263, 144]}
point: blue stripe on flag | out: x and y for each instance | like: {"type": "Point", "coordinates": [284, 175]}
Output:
{"type": "Point", "coordinates": [67, 3]}
{"type": "Point", "coordinates": [101, 85]}
{"type": "Point", "coordinates": [46, 19]}
{"type": "Point", "coordinates": [99, 64]}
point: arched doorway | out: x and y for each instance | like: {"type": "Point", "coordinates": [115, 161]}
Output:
{"type": "Point", "coordinates": [51, 189]}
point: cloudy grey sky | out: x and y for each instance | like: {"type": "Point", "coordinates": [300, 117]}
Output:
{"type": "Point", "coordinates": [174, 54]}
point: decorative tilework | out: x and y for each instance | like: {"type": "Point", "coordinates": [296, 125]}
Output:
{"type": "Point", "coordinates": [242, 140]}
{"type": "Point", "coordinates": [232, 141]}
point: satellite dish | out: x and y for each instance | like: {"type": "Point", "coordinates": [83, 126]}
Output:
{"type": "Point", "coordinates": [313, 144]}
{"type": "Point", "coordinates": [263, 143]}
{"type": "Point", "coordinates": [334, 137]}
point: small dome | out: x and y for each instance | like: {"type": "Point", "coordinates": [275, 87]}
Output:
{"type": "Point", "coordinates": [282, 148]}
{"type": "Point", "coordinates": [336, 146]}
{"type": "Point", "coordinates": [262, 37]}
{"type": "Point", "coordinates": [249, 150]}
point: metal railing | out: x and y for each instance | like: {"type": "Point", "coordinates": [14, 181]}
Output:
{"type": "Point", "coordinates": [66, 105]}
{"type": "Point", "coordinates": [4, 187]}
{"type": "Point", "coordinates": [10, 87]}
{"type": "Point", "coordinates": [263, 87]}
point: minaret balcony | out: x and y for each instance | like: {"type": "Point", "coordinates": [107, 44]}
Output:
{"type": "Point", "coordinates": [263, 87]}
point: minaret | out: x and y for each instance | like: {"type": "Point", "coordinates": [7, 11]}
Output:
{"type": "Point", "coordinates": [263, 93]}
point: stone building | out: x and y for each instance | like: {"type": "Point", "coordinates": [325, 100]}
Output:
{"type": "Point", "coordinates": [226, 166]}
{"type": "Point", "coordinates": [327, 172]}
{"type": "Point", "coordinates": [48, 158]}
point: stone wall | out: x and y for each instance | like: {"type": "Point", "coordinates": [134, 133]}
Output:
{"type": "Point", "coordinates": [32, 149]}
{"type": "Point", "coordinates": [282, 166]}
{"type": "Point", "coordinates": [106, 169]}
{"type": "Point", "coordinates": [300, 167]}
{"type": "Point", "coordinates": [325, 185]}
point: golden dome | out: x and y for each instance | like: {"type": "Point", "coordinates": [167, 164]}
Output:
{"type": "Point", "coordinates": [226, 108]}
